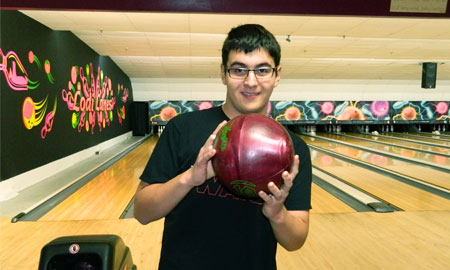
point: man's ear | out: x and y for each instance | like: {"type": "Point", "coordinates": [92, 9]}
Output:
{"type": "Point", "coordinates": [223, 74]}
{"type": "Point", "coordinates": [278, 77]}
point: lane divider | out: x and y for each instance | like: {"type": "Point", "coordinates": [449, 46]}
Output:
{"type": "Point", "coordinates": [375, 204]}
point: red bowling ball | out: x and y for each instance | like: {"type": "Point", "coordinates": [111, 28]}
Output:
{"type": "Point", "coordinates": [251, 151]}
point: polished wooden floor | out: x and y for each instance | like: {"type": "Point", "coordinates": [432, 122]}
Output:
{"type": "Point", "coordinates": [340, 238]}
{"type": "Point", "coordinates": [402, 195]}
{"type": "Point", "coordinates": [107, 195]}
{"type": "Point", "coordinates": [119, 182]}
{"type": "Point", "coordinates": [409, 240]}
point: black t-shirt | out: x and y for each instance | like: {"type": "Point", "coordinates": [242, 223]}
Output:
{"type": "Point", "coordinates": [212, 229]}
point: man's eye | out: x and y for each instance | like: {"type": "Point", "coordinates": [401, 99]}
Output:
{"type": "Point", "coordinates": [240, 71]}
{"type": "Point", "coordinates": [263, 71]}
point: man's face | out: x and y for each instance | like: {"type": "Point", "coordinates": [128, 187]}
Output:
{"type": "Point", "coordinates": [249, 95]}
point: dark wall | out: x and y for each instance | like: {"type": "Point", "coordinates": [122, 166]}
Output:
{"type": "Point", "coordinates": [57, 96]}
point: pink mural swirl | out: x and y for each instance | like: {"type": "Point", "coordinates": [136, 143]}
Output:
{"type": "Point", "coordinates": [15, 73]}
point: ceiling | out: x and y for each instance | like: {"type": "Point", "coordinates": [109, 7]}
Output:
{"type": "Point", "coordinates": [187, 45]}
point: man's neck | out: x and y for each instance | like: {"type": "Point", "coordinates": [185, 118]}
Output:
{"type": "Point", "coordinates": [231, 113]}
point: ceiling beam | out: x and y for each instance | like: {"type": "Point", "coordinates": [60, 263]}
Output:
{"type": "Point", "coordinates": [276, 7]}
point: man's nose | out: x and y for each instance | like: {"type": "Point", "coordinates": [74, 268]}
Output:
{"type": "Point", "coordinates": [251, 79]}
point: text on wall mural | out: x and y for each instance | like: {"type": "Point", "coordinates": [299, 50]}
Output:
{"type": "Point", "coordinates": [91, 99]}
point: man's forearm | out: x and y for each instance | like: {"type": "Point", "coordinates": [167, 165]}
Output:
{"type": "Point", "coordinates": [291, 229]}
{"type": "Point", "coordinates": [155, 201]}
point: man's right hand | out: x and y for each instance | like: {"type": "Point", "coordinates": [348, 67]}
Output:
{"type": "Point", "coordinates": [202, 168]}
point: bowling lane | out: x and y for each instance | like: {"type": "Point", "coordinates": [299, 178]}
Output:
{"type": "Point", "coordinates": [324, 202]}
{"type": "Point", "coordinates": [417, 144]}
{"type": "Point", "coordinates": [392, 191]}
{"type": "Point", "coordinates": [107, 195]}
{"type": "Point", "coordinates": [422, 173]}
{"type": "Point", "coordinates": [421, 137]}
{"type": "Point", "coordinates": [441, 135]}
{"type": "Point", "coordinates": [420, 156]}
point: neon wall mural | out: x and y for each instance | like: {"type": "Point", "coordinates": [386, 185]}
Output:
{"type": "Point", "coordinates": [10, 65]}
{"type": "Point", "coordinates": [420, 110]}
{"type": "Point", "coordinates": [89, 96]}
{"type": "Point", "coordinates": [124, 92]}
{"type": "Point", "coordinates": [17, 78]}
{"type": "Point", "coordinates": [293, 112]}
{"type": "Point", "coordinates": [57, 96]}
{"type": "Point", "coordinates": [91, 99]}
{"type": "Point", "coordinates": [330, 110]}
{"type": "Point", "coordinates": [163, 111]}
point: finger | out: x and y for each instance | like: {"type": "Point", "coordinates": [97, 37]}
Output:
{"type": "Point", "coordinates": [211, 139]}
{"type": "Point", "coordinates": [288, 177]}
{"type": "Point", "coordinates": [266, 197]}
{"type": "Point", "coordinates": [209, 143]}
{"type": "Point", "coordinates": [274, 190]}
{"type": "Point", "coordinates": [207, 151]}
{"type": "Point", "coordinates": [295, 164]}
{"type": "Point", "coordinates": [219, 127]}
{"type": "Point", "coordinates": [287, 181]}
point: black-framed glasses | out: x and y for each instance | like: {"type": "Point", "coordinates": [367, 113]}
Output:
{"type": "Point", "coordinates": [260, 73]}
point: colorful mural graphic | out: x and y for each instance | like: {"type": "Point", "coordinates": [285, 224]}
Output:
{"type": "Point", "coordinates": [330, 110]}
{"type": "Point", "coordinates": [48, 124]}
{"type": "Point", "coordinates": [420, 110]}
{"type": "Point", "coordinates": [88, 95]}
{"type": "Point", "coordinates": [162, 111]}
{"type": "Point", "coordinates": [35, 66]}
{"type": "Point", "coordinates": [124, 92]}
{"type": "Point", "coordinates": [292, 112]}
{"type": "Point", "coordinates": [15, 73]}
{"type": "Point", "coordinates": [18, 79]}
{"type": "Point", "coordinates": [90, 98]}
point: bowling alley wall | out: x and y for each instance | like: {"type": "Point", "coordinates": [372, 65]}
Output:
{"type": "Point", "coordinates": [324, 112]}
{"type": "Point", "coordinates": [58, 96]}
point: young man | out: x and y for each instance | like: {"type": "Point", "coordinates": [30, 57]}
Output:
{"type": "Point", "coordinates": [206, 227]}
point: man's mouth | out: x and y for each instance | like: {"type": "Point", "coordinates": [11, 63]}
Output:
{"type": "Point", "coordinates": [250, 94]}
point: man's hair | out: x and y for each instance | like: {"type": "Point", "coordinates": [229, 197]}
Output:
{"type": "Point", "coordinates": [248, 38]}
